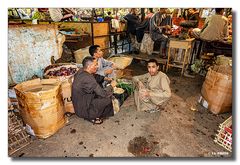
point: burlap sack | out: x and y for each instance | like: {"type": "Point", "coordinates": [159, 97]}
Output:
{"type": "Point", "coordinates": [41, 107]}
{"type": "Point", "coordinates": [217, 89]}
{"type": "Point", "coordinates": [66, 90]}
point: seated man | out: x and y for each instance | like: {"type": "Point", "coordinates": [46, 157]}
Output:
{"type": "Point", "coordinates": [152, 89]}
{"type": "Point", "coordinates": [105, 67]}
{"type": "Point", "coordinates": [90, 101]}
{"type": "Point", "coordinates": [230, 24]}
{"type": "Point", "coordinates": [214, 29]}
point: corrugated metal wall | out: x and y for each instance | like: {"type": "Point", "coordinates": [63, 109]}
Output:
{"type": "Point", "coordinates": [30, 48]}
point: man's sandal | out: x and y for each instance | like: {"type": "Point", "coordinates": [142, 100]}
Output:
{"type": "Point", "coordinates": [152, 110]}
{"type": "Point", "coordinates": [96, 121]}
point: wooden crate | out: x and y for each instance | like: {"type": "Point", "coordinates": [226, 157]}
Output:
{"type": "Point", "coordinates": [224, 136]}
{"type": "Point", "coordinates": [17, 136]}
{"type": "Point", "coordinates": [100, 29]}
{"type": "Point", "coordinates": [103, 42]}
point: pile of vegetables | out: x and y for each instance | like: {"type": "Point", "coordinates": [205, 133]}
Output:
{"type": "Point", "coordinates": [127, 86]}
{"type": "Point", "coordinates": [63, 71]}
{"type": "Point", "coordinates": [60, 70]}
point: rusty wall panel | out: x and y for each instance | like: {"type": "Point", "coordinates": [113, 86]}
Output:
{"type": "Point", "coordinates": [30, 48]}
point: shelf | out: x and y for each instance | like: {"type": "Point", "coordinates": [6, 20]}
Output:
{"type": "Point", "coordinates": [177, 66]}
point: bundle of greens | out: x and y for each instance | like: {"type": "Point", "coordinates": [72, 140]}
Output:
{"type": "Point", "coordinates": [127, 86]}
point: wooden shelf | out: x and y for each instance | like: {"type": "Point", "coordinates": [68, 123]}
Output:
{"type": "Point", "coordinates": [177, 66]}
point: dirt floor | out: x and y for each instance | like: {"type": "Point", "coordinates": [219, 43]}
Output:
{"type": "Point", "coordinates": [175, 131]}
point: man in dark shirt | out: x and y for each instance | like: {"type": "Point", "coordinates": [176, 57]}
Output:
{"type": "Point", "coordinates": [133, 22]}
{"type": "Point", "coordinates": [90, 101]}
{"type": "Point", "coordinates": [159, 25]}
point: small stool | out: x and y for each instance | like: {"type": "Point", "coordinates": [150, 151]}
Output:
{"type": "Point", "coordinates": [180, 44]}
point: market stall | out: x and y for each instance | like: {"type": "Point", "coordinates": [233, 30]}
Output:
{"type": "Point", "coordinates": [45, 55]}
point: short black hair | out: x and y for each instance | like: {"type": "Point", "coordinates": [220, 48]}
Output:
{"type": "Point", "coordinates": [218, 10]}
{"type": "Point", "coordinates": [154, 61]}
{"type": "Point", "coordinates": [109, 13]}
{"type": "Point", "coordinates": [86, 61]}
{"type": "Point", "coordinates": [151, 10]}
{"type": "Point", "coordinates": [93, 49]}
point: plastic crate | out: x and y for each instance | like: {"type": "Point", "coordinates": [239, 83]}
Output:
{"type": "Point", "coordinates": [17, 135]}
{"type": "Point", "coordinates": [224, 136]}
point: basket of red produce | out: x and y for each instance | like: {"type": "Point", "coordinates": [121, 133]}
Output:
{"type": "Point", "coordinates": [60, 70]}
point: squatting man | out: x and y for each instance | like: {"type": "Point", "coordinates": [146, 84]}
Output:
{"type": "Point", "coordinates": [152, 89]}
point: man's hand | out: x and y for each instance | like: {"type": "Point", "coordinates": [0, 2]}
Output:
{"type": "Point", "coordinates": [144, 95]}
{"type": "Point", "coordinates": [140, 85]}
{"type": "Point", "coordinates": [108, 71]}
{"type": "Point", "coordinates": [114, 66]}
{"type": "Point", "coordinates": [108, 79]}
{"type": "Point", "coordinates": [168, 27]}
{"type": "Point", "coordinates": [113, 83]}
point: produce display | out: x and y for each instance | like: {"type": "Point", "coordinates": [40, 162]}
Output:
{"type": "Point", "coordinates": [60, 70]}
{"type": "Point", "coordinates": [63, 71]}
{"type": "Point", "coordinates": [176, 30]}
{"type": "Point", "coordinates": [125, 85]}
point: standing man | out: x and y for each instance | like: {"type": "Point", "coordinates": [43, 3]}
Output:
{"type": "Point", "coordinates": [132, 23]}
{"type": "Point", "coordinates": [90, 101]}
{"type": "Point", "coordinates": [152, 89]}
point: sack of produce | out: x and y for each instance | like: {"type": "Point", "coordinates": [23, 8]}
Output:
{"type": "Point", "coordinates": [217, 89]}
{"type": "Point", "coordinates": [40, 105]}
{"type": "Point", "coordinates": [64, 74]}
{"type": "Point", "coordinates": [60, 70]}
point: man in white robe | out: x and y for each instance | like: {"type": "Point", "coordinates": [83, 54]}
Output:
{"type": "Point", "coordinates": [152, 89]}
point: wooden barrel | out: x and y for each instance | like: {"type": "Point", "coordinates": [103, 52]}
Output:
{"type": "Point", "coordinates": [40, 104]}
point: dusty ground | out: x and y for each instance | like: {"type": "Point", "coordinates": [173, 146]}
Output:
{"type": "Point", "coordinates": [174, 132]}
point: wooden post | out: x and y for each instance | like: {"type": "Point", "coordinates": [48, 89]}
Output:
{"type": "Point", "coordinates": [185, 56]}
